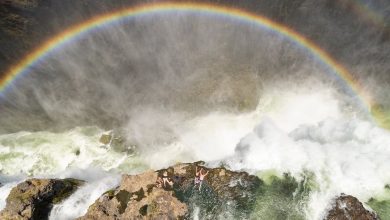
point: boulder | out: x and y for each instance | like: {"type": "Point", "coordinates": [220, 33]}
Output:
{"type": "Point", "coordinates": [117, 143]}
{"type": "Point", "coordinates": [34, 198]}
{"type": "Point", "coordinates": [137, 198]}
{"type": "Point", "coordinates": [140, 197]}
{"type": "Point", "coordinates": [347, 207]}
{"type": "Point", "coordinates": [222, 189]}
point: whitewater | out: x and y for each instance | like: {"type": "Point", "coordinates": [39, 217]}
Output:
{"type": "Point", "coordinates": [306, 135]}
{"type": "Point", "coordinates": [190, 87]}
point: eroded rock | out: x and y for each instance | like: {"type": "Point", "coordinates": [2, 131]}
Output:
{"type": "Point", "coordinates": [222, 190]}
{"type": "Point", "coordinates": [117, 143]}
{"type": "Point", "coordinates": [139, 197]}
{"type": "Point", "coordinates": [224, 194]}
{"type": "Point", "coordinates": [34, 198]}
{"type": "Point", "coordinates": [347, 207]}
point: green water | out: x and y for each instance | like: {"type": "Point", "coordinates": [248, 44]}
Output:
{"type": "Point", "coordinates": [42, 153]}
{"type": "Point", "coordinates": [277, 198]}
{"type": "Point", "coordinates": [283, 198]}
{"type": "Point", "coordinates": [381, 204]}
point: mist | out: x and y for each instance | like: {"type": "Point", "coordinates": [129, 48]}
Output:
{"type": "Point", "coordinates": [150, 73]}
{"type": "Point", "coordinates": [189, 86]}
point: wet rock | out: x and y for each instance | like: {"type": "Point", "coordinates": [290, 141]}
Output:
{"type": "Point", "coordinates": [117, 143]}
{"type": "Point", "coordinates": [105, 139]}
{"type": "Point", "coordinates": [139, 197]}
{"type": "Point", "coordinates": [221, 190]}
{"type": "Point", "coordinates": [34, 198]}
{"type": "Point", "coordinates": [347, 207]}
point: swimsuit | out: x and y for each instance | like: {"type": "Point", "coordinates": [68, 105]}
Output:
{"type": "Point", "coordinates": [197, 180]}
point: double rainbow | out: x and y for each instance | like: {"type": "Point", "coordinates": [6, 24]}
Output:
{"type": "Point", "coordinates": [73, 32]}
{"type": "Point", "coordinates": [363, 9]}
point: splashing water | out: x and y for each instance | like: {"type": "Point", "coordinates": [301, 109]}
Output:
{"type": "Point", "coordinates": [344, 155]}
{"type": "Point", "coordinates": [257, 107]}
{"type": "Point", "coordinates": [37, 153]}
{"type": "Point", "coordinates": [4, 191]}
{"type": "Point", "coordinates": [77, 204]}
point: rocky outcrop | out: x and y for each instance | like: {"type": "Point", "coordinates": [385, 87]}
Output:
{"type": "Point", "coordinates": [139, 197]}
{"type": "Point", "coordinates": [117, 143]}
{"type": "Point", "coordinates": [222, 194]}
{"type": "Point", "coordinates": [34, 198]}
{"type": "Point", "coordinates": [222, 189]}
{"type": "Point", "coordinates": [347, 207]}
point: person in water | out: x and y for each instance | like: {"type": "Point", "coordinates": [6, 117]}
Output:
{"type": "Point", "coordinates": [199, 176]}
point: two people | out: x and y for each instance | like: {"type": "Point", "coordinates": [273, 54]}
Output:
{"type": "Point", "coordinates": [164, 181]}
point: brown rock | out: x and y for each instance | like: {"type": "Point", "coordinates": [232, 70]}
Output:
{"type": "Point", "coordinates": [138, 197]}
{"type": "Point", "coordinates": [34, 198]}
{"type": "Point", "coordinates": [105, 139]}
{"type": "Point", "coordinates": [347, 207]}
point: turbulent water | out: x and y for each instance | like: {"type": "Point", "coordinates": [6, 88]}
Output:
{"type": "Point", "coordinates": [338, 155]}
{"type": "Point", "coordinates": [224, 93]}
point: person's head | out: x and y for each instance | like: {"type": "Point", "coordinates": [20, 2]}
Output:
{"type": "Point", "coordinates": [165, 173]}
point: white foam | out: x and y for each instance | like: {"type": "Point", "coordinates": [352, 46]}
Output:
{"type": "Point", "coordinates": [346, 156]}
{"type": "Point", "coordinates": [45, 153]}
{"type": "Point", "coordinates": [295, 133]}
{"type": "Point", "coordinates": [5, 189]}
{"type": "Point", "coordinates": [77, 204]}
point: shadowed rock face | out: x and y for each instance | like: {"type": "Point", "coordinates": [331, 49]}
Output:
{"type": "Point", "coordinates": [34, 198]}
{"type": "Point", "coordinates": [347, 207]}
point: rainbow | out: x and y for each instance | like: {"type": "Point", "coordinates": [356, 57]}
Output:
{"type": "Point", "coordinates": [368, 13]}
{"type": "Point", "coordinates": [375, 17]}
{"type": "Point", "coordinates": [73, 32]}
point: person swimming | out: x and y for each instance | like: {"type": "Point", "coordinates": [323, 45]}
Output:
{"type": "Point", "coordinates": [199, 177]}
